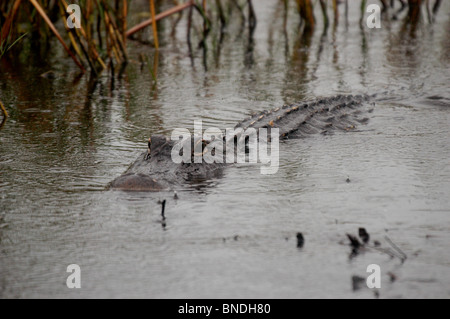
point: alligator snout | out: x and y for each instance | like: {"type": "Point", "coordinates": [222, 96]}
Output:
{"type": "Point", "coordinates": [137, 182]}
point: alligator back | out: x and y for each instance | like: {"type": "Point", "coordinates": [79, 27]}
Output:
{"type": "Point", "coordinates": [341, 112]}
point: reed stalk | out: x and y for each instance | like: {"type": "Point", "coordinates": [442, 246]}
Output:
{"type": "Point", "coordinates": [5, 115]}
{"type": "Point", "coordinates": [306, 11]}
{"type": "Point", "coordinates": [105, 30]}
{"type": "Point", "coordinates": [56, 33]}
{"type": "Point", "coordinates": [154, 26]}
{"type": "Point", "coordinates": [335, 11]}
{"type": "Point", "coordinates": [158, 17]}
{"type": "Point", "coordinates": [5, 30]}
{"type": "Point", "coordinates": [124, 20]}
{"type": "Point", "coordinates": [92, 51]}
{"type": "Point", "coordinates": [2, 107]}
{"type": "Point", "coordinates": [323, 5]}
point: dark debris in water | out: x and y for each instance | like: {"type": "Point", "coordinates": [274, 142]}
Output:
{"type": "Point", "coordinates": [358, 282]}
{"type": "Point", "coordinates": [358, 247]}
{"type": "Point", "coordinates": [300, 240]}
{"type": "Point", "coordinates": [392, 277]}
{"type": "Point", "coordinates": [363, 235]}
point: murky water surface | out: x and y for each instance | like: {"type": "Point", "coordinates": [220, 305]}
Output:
{"type": "Point", "coordinates": [233, 236]}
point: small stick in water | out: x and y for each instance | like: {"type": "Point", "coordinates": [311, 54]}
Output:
{"type": "Point", "coordinates": [354, 242]}
{"type": "Point", "coordinates": [163, 204]}
{"type": "Point", "coordinates": [403, 256]}
{"type": "Point", "coordinates": [300, 240]}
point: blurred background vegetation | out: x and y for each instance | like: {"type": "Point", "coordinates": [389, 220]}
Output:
{"type": "Point", "coordinates": [101, 41]}
{"type": "Point", "coordinates": [106, 25]}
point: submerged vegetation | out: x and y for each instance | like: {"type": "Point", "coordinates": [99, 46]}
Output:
{"type": "Point", "coordinates": [6, 45]}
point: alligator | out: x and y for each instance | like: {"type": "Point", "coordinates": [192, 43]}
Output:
{"type": "Point", "coordinates": [154, 169]}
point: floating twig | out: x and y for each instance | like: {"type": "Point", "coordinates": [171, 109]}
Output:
{"type": "Point", "coordinates": [404, 256]}
{"type": "Point", "coordinates": [354, 242]}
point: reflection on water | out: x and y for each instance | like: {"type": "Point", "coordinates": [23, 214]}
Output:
{"type": "Point", "coordinates": [234, 236]}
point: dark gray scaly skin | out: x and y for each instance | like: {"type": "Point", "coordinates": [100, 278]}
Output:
{"type": "Point", "coordinates": [155, 170]}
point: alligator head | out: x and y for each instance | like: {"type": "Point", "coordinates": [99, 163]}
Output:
{"type": "Point", "coordinates": [147, 172]}
{"type": "Point", "coordinates": [155, 170]}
